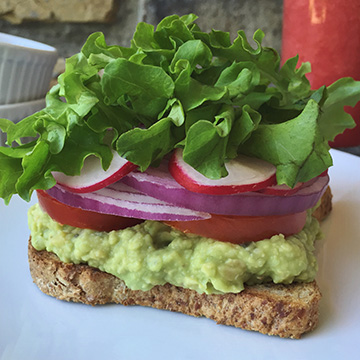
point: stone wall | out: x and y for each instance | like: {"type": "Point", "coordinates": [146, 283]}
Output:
{"type": "Point", "coordinates": [65, 24]}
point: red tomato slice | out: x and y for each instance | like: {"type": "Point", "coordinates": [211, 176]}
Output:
{"type": "Point", "coordinates": [69, 215]}
{"type": "Point", "coordinates": [242, 229]}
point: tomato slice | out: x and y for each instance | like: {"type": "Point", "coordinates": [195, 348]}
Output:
{"type": "Point", "coordinates": [242, 229]}
{"type": "Point", "coordinates": [228, 228]}
{"type": "Point", "coordinates": [69, 215]}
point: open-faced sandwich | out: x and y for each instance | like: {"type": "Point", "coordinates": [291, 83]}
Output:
{"type": "Point", "coordinates": [186, 172]}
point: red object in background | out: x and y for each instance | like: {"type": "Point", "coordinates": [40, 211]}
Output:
{"type": "Point", "coordinates": [327, 34]}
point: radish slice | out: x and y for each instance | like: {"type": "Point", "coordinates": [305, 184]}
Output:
{"type": "Point", "coordinates": [157, 182]}
{"type": "Point", "coordinates": [281, 190]}
{"type": "Point", "coordinates": [284, 190]}
{"type": "Point", "coordinates": [244, 174]}
{"type": "Point", "coordinates": [125, 201]}
{"type": "Point", "coordinates": [93, 177]}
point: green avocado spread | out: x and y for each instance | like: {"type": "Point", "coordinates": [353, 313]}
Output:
{"type": "Point", "coordinates": [152, 253]}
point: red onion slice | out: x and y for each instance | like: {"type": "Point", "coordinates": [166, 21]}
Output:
{"type": "Point", "coordinates": [284, 190]}
{"type": "Point", "coordinates": [157, 182]}
{"type": "Point", "coordinates": [125, 201]}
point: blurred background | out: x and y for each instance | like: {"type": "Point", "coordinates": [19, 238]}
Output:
{"type": "Point", "coordinates": [66, 24]}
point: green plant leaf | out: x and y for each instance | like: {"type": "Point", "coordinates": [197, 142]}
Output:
{"type": "Point", "coordinates": [148, 90]}
{"type": "Point", "coordinates": [138, 145]}
{"type": "Point", "coordinates": [295, 147]}
{"type": "Point", "coordinates": [334, 120]}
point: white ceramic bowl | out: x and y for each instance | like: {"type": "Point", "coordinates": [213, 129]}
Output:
{"type": "Point", "coordinates": [19, 111]}
{"type": "Point", "coordinates": [26, 68]}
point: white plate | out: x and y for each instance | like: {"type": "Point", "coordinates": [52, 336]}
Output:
{"type": "Point", "coordinates": [36, 326]}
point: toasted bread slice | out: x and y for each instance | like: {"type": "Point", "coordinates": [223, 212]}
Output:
{"type": "Point", "coordinates": [273, 309]}
{"type": "Point", "coordinates": [287, 311]}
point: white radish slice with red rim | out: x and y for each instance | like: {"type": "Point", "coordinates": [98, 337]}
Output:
{"type": "Point", "coordinates": [157, 182]}
{"type": "Point", "coordinates": [122, 200]}
{"type": "Point", "coordinates": [244, 174]}
{"type": "Point", "coordinates": [93, 177]}
{"type": "Point", "coordinates": [284, 190]}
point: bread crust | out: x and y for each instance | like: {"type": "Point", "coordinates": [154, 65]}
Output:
{"type": "Point", "coordinates": [272, 309]}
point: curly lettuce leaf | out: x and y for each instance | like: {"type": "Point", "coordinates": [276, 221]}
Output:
{"type": "Point", "coordinates": [210, 139]}
{"type": "Point", "coordinates": [293, 146]}
{"type": "Point", "coordinates": [138, 145]}
{"type": "Point", "coordinates": [334, 120]}
{"type": "Point", "coordinates": [10, 170]}
{"type": "Point", "coordinates": [147, 87]}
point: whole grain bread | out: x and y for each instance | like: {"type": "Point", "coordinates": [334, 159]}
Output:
{"type": "Point", "coordinates": [273, 309]}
